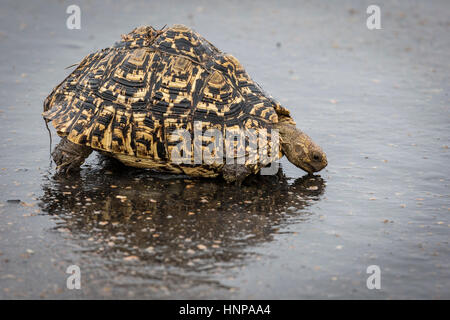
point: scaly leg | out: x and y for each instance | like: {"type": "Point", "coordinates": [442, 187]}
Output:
{"type": "Point", "coordinates": [235, 173]}
{"type": "Point", "coordinates": [69, 156]}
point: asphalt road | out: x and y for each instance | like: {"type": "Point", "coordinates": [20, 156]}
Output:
{"type": "Point", "coordinates": [377, 101]}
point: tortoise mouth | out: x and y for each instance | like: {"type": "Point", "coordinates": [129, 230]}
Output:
{"type": "Point", "coordinates": [311, 168]}
{"type": "Point", "coordinates": [308, 168]}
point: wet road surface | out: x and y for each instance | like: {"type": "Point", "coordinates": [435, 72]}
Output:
{"type": "Point", "coordinates": [376, 101]}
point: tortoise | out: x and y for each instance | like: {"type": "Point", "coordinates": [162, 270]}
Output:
{"type": "Point", "coordinates": [133, 100]}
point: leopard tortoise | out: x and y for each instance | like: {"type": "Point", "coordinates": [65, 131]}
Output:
{"type": "Point", "coordinates": [134, 100]}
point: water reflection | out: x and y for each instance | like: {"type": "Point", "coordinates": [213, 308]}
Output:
{"type": "Point", "coordinates": [133, 222]}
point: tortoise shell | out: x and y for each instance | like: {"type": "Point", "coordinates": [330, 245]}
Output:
{"type": "Point", "coordinates": [126, 100]}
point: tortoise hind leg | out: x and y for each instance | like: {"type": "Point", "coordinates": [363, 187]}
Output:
{"type": "Point", "coordinates": [69, 156]}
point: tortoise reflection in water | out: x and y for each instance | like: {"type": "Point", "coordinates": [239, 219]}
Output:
{"type": "Point", "coordinates": [178, 219]}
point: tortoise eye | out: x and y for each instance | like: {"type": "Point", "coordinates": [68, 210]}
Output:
{"type": "Point", "coordinates": [316, 156]}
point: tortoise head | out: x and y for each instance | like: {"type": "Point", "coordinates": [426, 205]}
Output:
{"type": "Point", "coordinates": [300, 149]}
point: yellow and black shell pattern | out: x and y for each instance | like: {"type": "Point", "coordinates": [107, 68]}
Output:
{"type": "Point", "coordinates": [126, 100]}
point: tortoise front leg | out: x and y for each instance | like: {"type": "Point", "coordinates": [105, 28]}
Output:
{"type": "Point", "coordinates": [235, 173]}
{"type": "Point", "coordinates": [69, 156]}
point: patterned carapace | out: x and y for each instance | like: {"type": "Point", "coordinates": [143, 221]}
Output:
{"type": "Point", "coordinates": [127, 99]}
